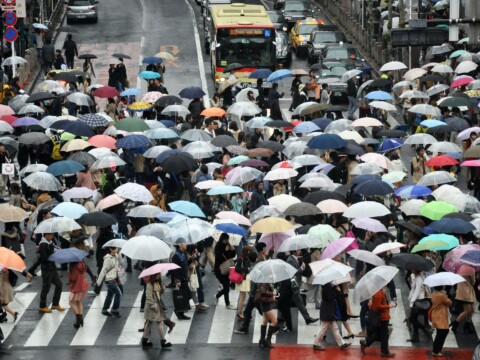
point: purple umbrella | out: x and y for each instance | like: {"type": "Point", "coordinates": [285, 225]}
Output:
{"type": "Point", "coordinates": [336, 247]}
{"type": "Point", "coordinates": [254, 163]}
{"type": "Point", "coordinates": [275, 239]}
{"type": "Point", "coordinates": [25, 121]}
{"type": "Point", "coordinates": [369, 224]}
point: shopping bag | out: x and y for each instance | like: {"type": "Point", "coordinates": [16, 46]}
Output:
{"type": "Point", "coordinates": [8, 169]}
{"type": "Point", "coordinates": [181, 299]}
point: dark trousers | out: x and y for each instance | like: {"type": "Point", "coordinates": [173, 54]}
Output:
{"type": "Point", "coordinates": [143, 300]}
{"type": "Point", "coordinates": [200, 294]}
{"type": "Point", "coordinates": [363, 314]}
{"type": "Point", "coordinates": [32, 268]}
{"type": "Point", "coordinates": [297, 299]}
{"type": "Point", "coordinates": [381, 334]}
{"type": "Point", "coordinates": [50, 277]}
{"type": "Point", "coordinates": [439, 340]}
{"type": "Point", "coordinates": [184, 286]}
{"type": "Point", "coordinates": [225, 282]}
{"type": "Point", "coordinates": [69, 61]}
{"type": "Point", "coordinates": [283, 306]}
{"type": "Point", "coordinates": [247, 312]}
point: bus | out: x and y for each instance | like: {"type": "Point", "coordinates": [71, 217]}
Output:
{"type": "Point", "coordinates": [241, 34]}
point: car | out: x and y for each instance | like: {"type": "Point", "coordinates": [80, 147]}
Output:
{"type": "Point", "coordinates": [284, 50]}
{"type": "Point", "coordinates": [277, 18]}
{"type": "Point", "coordinates": [330, 72]}
{"type": "Point", "coordinates": [278, 4]}
{"type": "Point", "coordinates": [82, 10]}
{"type": "Point", "coordinates": [300, 34]}
{"type": "Point", "coordinates": [319, 39]}
{"type": "Point", "coordinates": [297, 10]}
{"type": "Point", "coordinates": [345, 53]}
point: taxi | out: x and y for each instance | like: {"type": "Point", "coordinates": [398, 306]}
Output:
{"type": "Point", "coordinates": [300, 34]}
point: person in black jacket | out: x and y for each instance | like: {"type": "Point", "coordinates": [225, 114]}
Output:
{"type": "Point", "coordinates": [223, 252]}
{"type": "Point", "coordinates": [274, 102]}
{"type": "Point", "coordinates": [196, 107]}
{"type": "Point", "coordinates": [258, 198]}
{"type": "Point", "coordinates": [49, 275]}
{"type": "Point", "coordinates": [352, 99]}
{"type": "Point", "coordinates": [71, 50]}
{"type": "Point", "coordinates": [181, 275]}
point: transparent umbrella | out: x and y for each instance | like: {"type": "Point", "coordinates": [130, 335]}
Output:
{"type": "Point", "coordinates": [272, 271]}
{"type": "Point", "coordinates": [161, 231]}
{"type": "Point", "coordinates": [264, 211]}
{"type": "Point", "coordinates": [189, 231]}
{"type": "Point", "coordinates": [436, 178]}
{"type": "Point", "coordinates": [42, 181]}
{"type": "Point", "coordinates": [373, 281]}
{"type": "Point", "coordinates": [146, 248]}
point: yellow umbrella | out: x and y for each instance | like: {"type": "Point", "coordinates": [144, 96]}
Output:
{"type": "Point", "coordinates": [472, 93]}
{"type": "Point", "coordinates": [165, 55]}
{"type": "Point", "coordinates": [270, 225]}
{"type": "Point", "coordinates": [428, 245]}
{"type": "Point", "coordinates": [10, 213]}
{"type": "Point", "coordinates": [75, 145]}
{"type": "Point", "coordinates": [140, 106]}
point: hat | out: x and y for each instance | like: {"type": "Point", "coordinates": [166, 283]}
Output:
{"type": "Point", "coordinates": [301, 87]}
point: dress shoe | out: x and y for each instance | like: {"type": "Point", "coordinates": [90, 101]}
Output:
{"type": "Point", "coordinates": [45, 310]}
{"type": "Point", "coordinates": [116, 314]}
{"type": "Point", "coordinates": [311, 320]}
{"type": "Point", "coordinates": [345, 345]}
{"type": "Point", "coordinates": [363, 346]}
{"type": "Point", "coordinates": [106, 313]}
{"type": "Point", "coordinates": [183, 317]}
{"type": "Point", "coordinates": [389, 354]}
{"type": "Point", "coordinates": [146, 342]}
{"type": "Point", "coordinates": [164, 344]}
{"type": "Point", "coordinates": [318, 347]}
{"type": "Point", "coordinates": [58, 308]}
{"type": "Point", "coordinates": [349, 337]}
{"type": "Point", "coordinates": [200, 309]}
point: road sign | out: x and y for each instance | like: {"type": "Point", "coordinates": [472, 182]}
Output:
{"type": "Point", "coordinates": [9, 18]}
{"type": "Point", "coordinates": [8, 2]}
{"type": "Point", "coordinates": [10, 34]}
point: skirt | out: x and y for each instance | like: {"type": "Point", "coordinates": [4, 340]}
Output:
{"type": "Point", "coordinates": [77, 296]}
{"type": "Point", "coordinates": [244, 285]}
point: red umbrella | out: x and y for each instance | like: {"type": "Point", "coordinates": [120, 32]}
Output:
{"type": "Point", "coordinates": [461, 82]}
{"type": "Point", "coordinates": [440, 161]}
{"type": "Point", "coordinates": [103, 141]}
{"type": "Point", "coordinates": [106, 92]}
{"type": "Point", "coordinates": [294, 123]}
{"type": "Point", "coordinates": [8, 118]}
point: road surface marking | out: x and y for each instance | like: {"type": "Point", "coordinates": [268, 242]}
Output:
{"type": "Point", "coordinates": [223, 321]}
{"type": "Point", "coordinates": [135, 321]}
{"type": "Point", "coordinates": [20, 304]}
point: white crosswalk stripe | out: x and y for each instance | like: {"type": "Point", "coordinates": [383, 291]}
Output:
{"type": "Point", "coordinates": [223, 322]}
{"type": "Point", "coordinates": [94, 321]}
{"type": "Point", "coordinates": [135, 320]}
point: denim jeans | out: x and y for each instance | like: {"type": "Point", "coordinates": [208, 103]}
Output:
{"type": "Point", "coordinates": [352, 106]}
{"type": "Point", "coordinates": [113, 291]}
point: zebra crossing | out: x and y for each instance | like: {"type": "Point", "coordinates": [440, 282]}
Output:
{"type": "Point", "coordinates": [33, 330]}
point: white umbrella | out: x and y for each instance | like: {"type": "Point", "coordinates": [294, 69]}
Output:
{"type": "Point", "coordinates": [242, 175]}
{"type": "Point", "coordinates": [366, 122]}
{"type": "Point", "coordinates": [295, 149]}
{"type": "Point", "coordinates": [465, 134]}
{"type": "Point", "coordinates": [332, 206]}
{"type": "Point", "coordinates": [373, 281]}
{"type": "Point", "coordinates": [443, 279]}
{"type": "Point", "coordinates": [146, 248]}
{"type": "Point", "coordinates": [474, 85]}
{"type": "Point", "coordinates": [442, 68]}
{"type": "Point", "coordinates": [175, 110]}
{"type": "Point", "coordinates": [243, 94]}
{"type": "Point", "coordinates": [445, 191]}
{"type": "Point", "coordinates": [308, 160]}
{"type": "Point", "coordinates": [5, 127]}
{"type": "Point", "coordinates": [283, 201]}
{"type": "Point", "coordinates": [316, 183]}
{"type": "Point", "coordinates": [360, 209]}
{"type": "Point", "coordinates": [264, 211]}
{"type": "Point", "coordinates": [414, 94]}
{"type": "Point", "coordinates": [102, 152]}
{"type": "Point", "coordinates": [393, 65]}
{"type": "Point", "coordinates": [401, 85]}
{"type": "Point", "coordinates": [313, 175]}
{"type": "Point", "coordinates": [57, 225]}
{"type": "Point", "coordinates": [153, 152]}
{"type": "Point", "coordinates": [30, 109]}
{"type": "Point", "coordinates": [378, 159]}
{"type": "Point", "coordinates": [465, 203]}
{"type": "Point", "coordinates": [161, 231]}
{"type": "Point", "coordinates": [154, 124]}
{"type": "Point", "coordinates": [145, 211]}
{"type": "Point", "coordinates": [412, 207]}
{"type": "Point", "coordinates": [466, 67]}
{"type": "Point", "coordinates": [69, 209]}
{"type": "Point", "coordinates": [47, 121]}
{"type": "Point", "coordinates": [436, 178]}
{"type": "Point", "coordinates": [272, 271]}
{"type": "Point", "coordinates": [32, 168]}
{"type": "Point", "coordinates": [351, 135]}
{"type": "Point", "coordinates": [366, 168]}
{"type": "Point", "coordinates": [444, 147]}
{"type": "Point", "coordinates": [107, 162]}
{"type": "Point", "coordinates": [14, 60]}
{"type": "Point", "coordinates": [209, 184]}
{"type": "Point", "coordinates": [350, 74]}
{"type": "Point", "coordinates": [394, 176]}
{"type": "Point", "coordinates": [244, 108]}
{"type": "Point", "coordinates": [80, 99]}
{"type": "Point", "coordinates": [420, 139]}
{"type": "Point", "coordinates": [280, 174]}
{"type": "Point", "coordinates": [363, 86]}
{"type": "Point", "coordinates": [366, 256]}
{"type": "Point", "coordinates": [382, 105]}
{"type": "Point", "coordinates": [425, 109]}
{"type": "Point", "coordinates": [190, 231]}
{"type": "Point", "coordinates": [200, 149]}
{"type": "Point", "coordinates": [338, 126]}
{"type": "Point", "coordinates": [134, 192]}
{"type": "Point", "coordinates": [437, 89]}
{"type": "Point", "coordinates": [78, 193]}
{"type": "Point", "coordinates": [389, 246]}
{"type": "Point", "coordinates": [414, 73]}
{"type": "Point", "coordinates": [298, 242]}
{"type": "Point", "coordinates": [286, 165]}
{"type": "Point", "coordinates": [332, 273]}
{"type": "Point", "coordinates": [42, 181]}
{"type": "Point", "coordinates": [118, 243]}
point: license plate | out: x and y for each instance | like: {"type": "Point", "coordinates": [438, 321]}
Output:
{"type": "Point", "coordinates": [81, 16]}
{"type": "Point", "coordinates": [337, 93]}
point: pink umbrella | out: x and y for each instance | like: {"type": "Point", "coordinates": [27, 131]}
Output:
{"type": "Point", "coordinates": [369, 224]}
{"type": "Point", "coordinates": [6, 110]}
{"type": "Point", "coordinates": [452, 261]}
{"type": "Point", "coordinates": [332, 206]}
{"type": "Point", "coordinates": [336, 247]}
{"type": "Point", "coordinates": [275, 239]}
{"type": "Point", "coordinates": [471, 163]}
{"type": "Point", "coordinates": [103, 141]}
{"type": "Point", "coordinates": [466, 270]}
{"type": "Point", "coordinates": [109, 201]}
{"type": "Point", "coordinates": [232, 215]}
{"type": "Point", "coordinates": [461, 82]}
{"type": "Point", "coordinates": [158, 268]}
{"type": "Point", "coordinates": [152, 96]}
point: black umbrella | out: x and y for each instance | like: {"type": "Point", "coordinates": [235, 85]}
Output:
{"type": "Point", "coordinates": [87, 56]}
{"type": "Point", "coordinates": [178, 162]}
{"type": "Point", "coordinates": [391, 133]}
{"type": "Point", "coordinates": [357, 180]}
{"type": "Point", "coordinates": [409, 226]}
{"type": "Point", "coordinates": [83, 158]}
{"type": "Point", "coordinates": [191, 92]}
{"type": "Point", "coordinates": [456, 101]}
{"type": "Point", "coordinates": [373, 187]}
{"type": "Point", "coordinates": [433, 78]}
{"type": "Point", "coordinates": [320, 195]}
{"type": "Point", "coordinates": [457, 123]}
{"type": "Point", "coordinates": [272, 145]}
{"type": "Point", "coordinates": [224, 141]}
{"type": "Point", "coordinates": [164, 101]}
{"type": "Point", "coordinates": [77, 128]}
{"type": "Point", "coordinates": [68, 77]}
{"type": "Point", "coordinates": [303, 229]}
{"type": "Point", "coordinates": [441, 129]}
{"type": "Point", "coordinates": [412, 262]}
{"type": "Point", "coordinates": [278, 124]}
{"type": "Point", "coordinates": [380, 82]}
{"type": "Point", "coordinates": [459, 215]}
{"type": "Point", "coordinates": [40, 96]}
{"type": "Point", "coordinates": [352, 148]}
{"type": "Point", "coordinates": [302, 209]}
{"type": "Point", "coordinates": [97, 218]}
{"type": "Point", "coordinates": [121, 56]}
{"type": "Point", "coordinates": [233, 66]}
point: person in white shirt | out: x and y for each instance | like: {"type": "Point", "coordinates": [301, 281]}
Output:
{"type": "Point", "coordinates": [210, 127]}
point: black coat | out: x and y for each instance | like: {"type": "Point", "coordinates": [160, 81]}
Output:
{"type": "Point", "coordinates": [327, 307]}
{"type": "Point", "coordinates": [257, 200]}
{"type": "Point", "coordinates": [46, 249]}
{"type": "Point", "coordinates": [181, 259]}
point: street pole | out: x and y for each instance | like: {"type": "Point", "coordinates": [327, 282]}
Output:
{"type": "Point", "coordinates": [14, 65]}
{"type": "Point", "coordinates": [401, 25]}
{"type": "Point", "coordinates": [472, 9]}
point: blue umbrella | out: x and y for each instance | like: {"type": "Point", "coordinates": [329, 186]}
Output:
{"type": "Point", "coordinates": [454, 155]}
{"type": "Point", "coordinates": [390, 144]}
{"type": "Point", "coordinates": [25, 121]}
{"type": "Point", "coordinates": [322, 123]}
{"type": "Point", "coordinates": [168, 123]}
{"type": "Point", "coordinates": [432, 123]}
{"type": "Point", "coordinates": [373, 187]}
{"type": "Point", "coordinates": [326, 141]}
{"type": "Point", "coordinates": [471, 257]}
{"type": "Point", "coordinates": [279, 75]}
{"type": "Point", "coordinates": [130, 92]}
{"type": "Point", "coordinates": [305, 127]}
{"type": "Point", "coordinates": [69, 255]}
{"type": "Point", "coordinates": [167, 216]}
{"type": "Point", "coordinates": [162, 133]}
{"type": "Point", "coordinates": [147, 75]}
{"type": "Point", "coordinates": [357, 180]}
{"type": "Point", "coordinates": [452, 226]}
{"type": "Point", "coordinates": [260, 74]}
{"type": "Point", "coordinates": [186, 207]}
{"type": "Point", "coordinates": [231, 229]}
{"type": "Point", "coordinates": [152, 60]}
{"type": "Point", "coordinates": [77, 128]}
{"type": "Point", "coordinates": [69, 209]}
{"type": "Point", "coordinates": [133, 141]}
{"type": "Point", "coordinates": [65, 167]}
{"type": "Point", "coordinates": [222, 190]}
{"type": "Point", "coordinates": [451, 241]}
{"type": "Point", "coordinates": [413, 191]}
{"type": "Point", "coordinates": [191, 92]}
{"type": "Point", "coordinates": [378, 95]}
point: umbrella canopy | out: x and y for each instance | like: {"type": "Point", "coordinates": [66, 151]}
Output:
{"type": "Point", "coordinates": [68, 255]}
{"type": "Point", "coordinates": [302, 209]}
{"type": "Point", "coordinates": [366, 168]}
{"type": "Point", "coordinates": [332, 273]}
{"type": "Point", "coordinates": [158, 269]}
{"type": "Point", "coordinates": [78, 193]}
{"type": "Point", "coordinates": [82, 157]}
{"type": "Point", "coordinates": [134, 192]}
{"type": "Point", "coordinates": [57, 225]}
{"type": "Point", "coordinates": [452, 226]}
{"type": "Point", "coordinates": [146, 248]}
{"type": "Point", "coordinates": [133, 141]}
{"type": "Point", "coordinates": [132, 124]}
{"type": "Point", "coordinates": [373, 187]}
{"type": "Point", "coordinates": [186, 207]}
{"type": "Point", "coordinates": [298, 242]}
{"type": "Point", "coordinates": [244, 108]}
{"type": "Point", "coordinates": [366, 256]}
{"type": "Point", "coordinates": [109, 201]}
{"type": "Point", "coordinates": [97, 218]}
{"type": "Point", "coordinates": [373, 281]}
{"type": "Point", "coordinates": [242, 175]}
{"type": "Point", "coordinates": [471, 257]}
{"type": "Point", "coordinates": [107, 162]}
{"type": "Point", "coordinates": [332, 206]}
{"type": "Point", "coordinates": [450, 241]}
{"type": "Point", "coordinates": [412, 262]}
{"type": "Point", "coordinates": [177, 162]}
{"type": "Point", "coordinates": [10, 213]}
{"type": "Point", "coordinates": [161, 231]}
{"type": "Point", "coordinates": [102, 141]}
{"type": "Point", "coordinates": [69, 209]}
{"type": "Point", "coordinates": [272, 271]}
{"type": "Point", "coordinates": [336, 247]}
{"type": "Point", "coordinates": [42, 181]}
{"type": "Point", "coordinates": [196, 135]}
{"type": "Point", "coordinates": [118, 243]}
{"type": "Point", "coordinates": [443, 279]}
{"type": "Point", "coordinates": [369, 224]}
{"type": "Point", "coordinates": [65, 167]}
{"type": "Point", "coordinates": [372, 208]}
{"type": "Point", "coordinates": [393, 65]}
{"type": "Point", "coordinates": [10, 260]}
{"type": "Point", "coordinates": [191, 92]}
{"type": "Point", "coordinates": [326, 141]}
{"type": "Point", "coordinates": [283, 201]}
{"type": "Point", "coordinates": [225, 189]}
{"type": "Point", "coordinates": [453, 261]}
{"type": "Point", "coordinates": [234, 216]}
{"type": "Point", "coordinates": [144, 211]}
{"type": "Point", "coordinates": [231, 228]}
{"type": "Point", "coordinates": [413, 191]}
{"type": "Point", "coordinates": [270, 225]}
{"type": "Point", "coordinates": [435, 210]}
{"type": "Point", "coordinates": [94, 120]}
{"type": "Point", "coordinates": [224, 141]}
{"type": "Point", "coordinates": [436, 178]}
{"type": "Point", "coordinates": [326, 233]}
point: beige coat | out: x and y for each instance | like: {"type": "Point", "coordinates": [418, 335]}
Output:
{"type": "Point", "coordinates": [465, 291]}
{"type": "Point", "coordinates": [153, 307]}
{"type": "Point", "coordinates": [440, 305]}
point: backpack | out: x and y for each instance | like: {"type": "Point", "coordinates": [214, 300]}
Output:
{"type": "Point", "coordinates": [56, 151]}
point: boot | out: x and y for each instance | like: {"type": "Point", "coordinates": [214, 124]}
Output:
{"type": "Point", "coordinates": [271, 330]}
{"type": "Point", "coordinates": [81, 320]}
{"type": "Point", "coordinates": [78, 323]}
{"type": "Point", "coordinates": [263, 332]}
{"type": "Point", "coordinates": [454, 326]}
{"type": "Point", "coordinates": [164, 344]}
{"type": "Point", "coordinates": [170, 324]}
{"type": "Point", "coordinates": [146, 342]}
{"type": "Point", "coordinates": [467, 328]}
{"type": "Point", "coordinates": [244, 328]}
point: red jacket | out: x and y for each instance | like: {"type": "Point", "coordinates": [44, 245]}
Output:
{"type": "Point", "coordinates": [380, 304]}
{"type": "Point", "coordinates": [77, 277]}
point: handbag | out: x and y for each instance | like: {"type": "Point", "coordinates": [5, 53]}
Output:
{"type": "Point", "coordinates": [234, 276]}
{"type": "Point", "coordinates": [372, 319]}
{"type": "Point", "coordinates": [226, 265]}
{"type": "Point", "coordinates": [181, 299]}
{"type": "Point", "coordinates": [8, 169]}
{"type": "Point", "coordinates": [193, 281]}
{"type": "Point", "coordinates": [423, 304]}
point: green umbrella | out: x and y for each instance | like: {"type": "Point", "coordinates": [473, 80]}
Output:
{"type": "Point", "coordinates": [450, 240]}
{"type": "Point", "coordinates": [456, 101]}
{"type": "Point", "coordinates": [326, 233]}
{"type": "Point", "coordinates": [435, 210]}
{"type": "Point", "coordinates": [463, 41]}
{"type": "Point", "coordinates": [443, 26]}
{"type": "Point", "coordinates": [132, 124]}
{"type": "Point", "coordinates": [66, 136]}
{"type": "Point", "coordinates": [429, 245]}
{"type": "Point", "coordinates": [458, 53]}
{"type": "Point", "coordinates": [237, 160]}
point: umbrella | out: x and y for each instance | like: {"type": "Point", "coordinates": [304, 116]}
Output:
{"type": "Point", "coordinates": [208, 184]}
{"type": "Point", "coordinates": [94, 120]}
{"type": "Point", "coordinates": [258, 122]}
{"type": "Point", "coordinates": [437, 89]}
{"type": "Point", "coordinates": [213, 112]}
{"type": "Point", "coordinates": [369, 224]}
{"type": "Point", "coordinates": [178, 162]}
{"type": "Point", "coordinates": [82, 157]}
{"type": "Point", "coordinates": [32, 168]}
{"type": "Point", "coordinates": [465, 67]}
{"type": "Point", "coordinates": [393, 65]}
{"type": "Point", "coordinates": [305, 128]}
{"type": "Point", "coordinates": [158, 269]}
{"type": "Point", "coordinates": [298, 242]}
{"type": "Point", "coordinates": [196, 135]}
{"type": "Point", "coordinates": [106, 92]}
{"type": "Point", "coordinates": [331, 206]}
{"type": "Point", "coordinates": [366, 256]}
{"type": "Point", "coordinates": [420, 139]}
{"type": "Point", "coordinates": [224, 141]}
{"type": "Point", "coordinates": [279, 75]}
{"type": "Point", "coordinates": [78, 193]}
{"type": "Point", "coordinates": [226, 189]}
{"type": "Point", "coordinates": [302, 209]}
{"type": "Point", "coordinates": [10, 213]}
{"type": "Point", "coordinates": [42, 181]}
{"type": "Point", "coordinates": [148, 75]}
{"type": "Point", "coordinates": [452, 226]}
{"type": "Point", "coordinates": [366, 122]}
{"type": "Point", "coordinates": [377, 159]}
{"type": "Point", "coordinates": [234, 216]}
{"type": "Point", "coordinates": [107, 162]}
{"type": "Point", "coordinates": [444, 147]}
{"type": "Point", "coordinates": [394, 176]}
{"type": "Point", "coordinates": [80, 99]}
{"type": "Point", "coordinates": [279, 174]}
{"type": "Point", "coordinates": [449, 242]}
{"type": "Point", "coordinates": [472, 257]}
{"type": "Point", "coordinates": [271, 145]}
{"type": "Point", "coordinates": [65, 167]}
{"type": "Point", "coordinates": [134, 192]}
{"type": "Point", "coordinates": [200, 149]}
{"type": "Point", "coordinates": [463, 81]}
{"type": "Point", "coordinates": [372, 208]}
{"type": "Point", "coordinates": [436, 178]}
{"type": "Point", "coordinates": [161, 231]}
{"type": "Point", "coordinates": [155, 151]}
{"type": "Point", "coordinates": [465, 203]}
{"type": "Point", "coordinates": [260, 74]}
{"type": "Point", "coordinates": [271, 272]}
{"type": "Point", "coordinates": [144, 211]}
{"type": "Point", "coordinates": [162, 133]}
{"type": "Point", "coordinates": [69, 209]}
{"type": "Point", "coordinates": [412, 262]}
{"type": "Point", "coordinates": [440, 161]}
{"type": "Point", "coordinates": [191, 92]}
{"type": "Point", "coordinates": [117, 243]}
{"type": "Point", "coordinates": [57, 225]}
{"type": "Point", "coordinates": [472, 152]}
{"type": "Point", "coordinates": [149, 97]}
{"type": "Point", "coordinates": [283, 201]}
{"type": "Point", "coordinates": [254, 163]}
{"type": "Point", "coordinates": [326, 141]}
{"type": "Point", "coordinates": [373, 281]}
{"type": "Point", "coordinates": [230, 228]}
{"type": "Point", "coordinates": [350, 74]}
{"type": "Point", "coordinates": [244, 108]}
{"type": "Point", "coordinates": [133, 141]}
{"type": "Point", "coordinates": [33, 138]}
{"type": "Point", "coordinates": [383, 105]}
{"type": "Point", "coordinates": [39, 96]}
{"type": "Point", "coordinates": [320, 195]}
{"type": "Point", "coordinates": [435, 210]}
{"type": "Point", "coordinates": [453, 261]}
{"type": "Point", "coordinates": [77, 128]}
{"type": "Point", "coordinates": [414, 73]}
{"type": "Point", "coordinates": [103, 141]}
{"type": "Point", "coordinates": [25, 121]}
{"type": "Point", "coordinates": [69, 255]}
{"type": "Point", "coordinates": [186, 207]}
{"type": "Point", "coordinates": [366, 169]}
{"type": "Point", "coordinates": [378, 95]}
{"type": "Point", "coordinates": [97, 218]}
{"type": "Point", "coordinates": [146, 248]}
{"type": "Point", "coordinates": [242, 175]}
{"type": "Point", "coordinates": [373, 187]}
{"type": "Point", "coordinates": [189, 231]}
{"type": "Point", "coordinates": [336, 247]}
{"type": "Point", "coordinates": [75, 145]}
{"type": "Point", "coordinates": [140, 106]}
{"type": "Point", "coordinates": [132, 124]}
{"type": "Point", "coordinates": [14, 60]}
{"type": "Point", "coordinates": [326, 233]}
{"type": "Point", "coordinates": [10, 260]}
{"type": "Point", "coordinates": [271, 225]}
{"type": "Point", "coordinates": [333, 273]}
{"type": "Point", "coordinates": [443, 279]}
{"type": "Point", "coordinates": [175, 110]}
{"type": "Point", "coordinates": [390, 144]}
{"type": "Point", "coordinates": [152, 60]}
{"type": "Point", "coordinates": [167, 100]}
{"type": "Point", "coordinates": [413, 191]}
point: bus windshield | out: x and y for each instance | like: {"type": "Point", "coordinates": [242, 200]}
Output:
{"type": "Point", "coordinates": [248, 51]}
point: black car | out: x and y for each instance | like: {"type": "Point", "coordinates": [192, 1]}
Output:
{"type": "Point", "coordinates": [277, 19]}
{"type": "Point", "coordinates": [330, 72]}
{"type": "Point", "coordinates": [319, 39]}
{"type": "Point", "coordinates": [345, 53]}
{"type": "Point", "coordinates": [297, 10]}
{"type": "Point", "coordinates": [284, 49]}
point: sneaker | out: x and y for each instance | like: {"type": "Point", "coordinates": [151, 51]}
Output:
{"type": "Point", "coordinates": [241, 331]}
{"type": "Point", "coordinates": [231, 307]}
{"type": "Point", "coordinates": [215, 299]}
{"type": "Point", "coordinates": [285, 329]}
{"type": "Point", "coordinates": [116, 314]}
{"type": "Point", "coordinates": [45, 310]}
{"type": "Point", "coordinates": [106, 313]}
{"type": "Point", "coordinates": [142, 310]}
{"type": "Point", "coordinates": [58, 308]}
{"type": "Point", "coordinates": [205, 306]}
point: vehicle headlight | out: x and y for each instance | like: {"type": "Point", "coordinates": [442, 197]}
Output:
{"type": "Point", "coordinates": [302, 43]}
{"type": "Point", "coordinates": [288, 18]}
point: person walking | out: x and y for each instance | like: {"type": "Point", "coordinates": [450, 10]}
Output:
{"type": "Point", "coordinates": [439, 315]}
{"type": "Point", "coordinates": [223, 252]}
{"type": "Point", "coordinates": [78, 285]}
{"type": "Point", "coordinates": [328, 317]}
{"type": "Point", "coordinates": [265, 297]}
{"type": "Point", "coordinates": [109, 273]}
{"type": "Point", "coordinates": [417, 166]}
{"type": "Point", "coordinates": [154, 310]}
{"type": "Point", "coordinates": [70, 50]}
{"type": "Point", "coordinates": [243, 266]}
{"type": "Point", "coordinates": [6, 292]}
{"type": "Point", "coordinates": [49, 275]}
{"type": "Point", "coordinates": [465, 295]}
{"type": "Point", "coordinates": [352, 99]}
{"type": "Point", "coordinates": [417, 298]}
{"type": "Point", "coordinates": [274, 102]}
{"type": "Point", "coordinates": [48, 55]}
{"type": "Point", "coordinates": [181, 275]}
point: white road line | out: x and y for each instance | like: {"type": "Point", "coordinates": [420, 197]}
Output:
{"type": "Point", "coordinates": [306, 333]}
{"type": "Point", "coordinates": [20, 304]}
{"type": "Point", "coordinates": [142, 40]}
{"type": "Point", "coordinates": [223, 321]}
{"type": "Point", "coordinates": [49, 324]}
{"type": "Point", "coordinates": [180, 334]}
{"type": "Point", "coordinates": [400, 333]}
{"type": "Point", "coordinates": [21, 286]}
{"type": "Point", "coordinates": [130, 334]}
{"type": "Point", "coordinates": [198, 45]}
